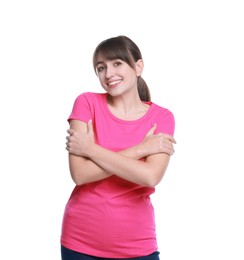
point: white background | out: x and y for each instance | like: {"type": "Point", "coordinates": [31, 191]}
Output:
{"type": "Point", "coordinates": [194, 65]}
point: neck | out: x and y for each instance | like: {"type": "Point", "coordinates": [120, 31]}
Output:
{"type": "Point", "coordinates": [128, 108]}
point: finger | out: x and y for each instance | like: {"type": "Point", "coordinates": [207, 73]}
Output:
{"type": "Point", "coordinates": [170, 138]}
{"type": "Point", "coordinates": [170, 151]}
{"type": "Point", "coordinates": [151, 131]}
{"type": "Point", "coordinates": [67, 146]}
{"type": "Point", "coordinates": [70, 131]}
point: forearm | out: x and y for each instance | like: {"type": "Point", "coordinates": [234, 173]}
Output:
{"type": "Point", "coordinates": [90, 162]}
{"type": "Point", "coordinates": [84, 170]}
{"type": "Point", "coordinates": [145, 173]}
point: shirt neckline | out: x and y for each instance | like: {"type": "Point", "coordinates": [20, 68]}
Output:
{"type": "Point", "coordinates": [105, 104]}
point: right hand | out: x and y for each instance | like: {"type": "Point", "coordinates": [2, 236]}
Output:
{"type": "Point", "coordinates": [157, 143]}
{"type": "Point", "coordinates": [79, 142]}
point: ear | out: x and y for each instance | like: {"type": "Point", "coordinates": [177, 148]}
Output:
{"type": "Point", "coordinates": [139, 67]}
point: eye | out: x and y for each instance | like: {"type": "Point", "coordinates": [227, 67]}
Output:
{"type": "Point", "coordinates": [117, 63]}
{"type": "Point", "coordinates": [100, 68]}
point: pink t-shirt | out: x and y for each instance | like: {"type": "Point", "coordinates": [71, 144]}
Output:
{"type": "Point", "coordinates": [113, 218]}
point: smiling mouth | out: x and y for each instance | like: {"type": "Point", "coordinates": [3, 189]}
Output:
{"type": "Point", "coordinates": [114, 83]}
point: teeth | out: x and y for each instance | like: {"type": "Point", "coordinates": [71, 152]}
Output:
{"type": "Point", "coordinates": [114, 82]}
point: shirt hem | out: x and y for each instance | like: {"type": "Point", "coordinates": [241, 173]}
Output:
{"type": "Point", "coordinates": [99, 253]}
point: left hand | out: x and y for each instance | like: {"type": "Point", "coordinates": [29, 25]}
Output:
{"type": "Point", "coordinates": [157, 143]}
{"type": "Point", "coordinates": [78, 143]}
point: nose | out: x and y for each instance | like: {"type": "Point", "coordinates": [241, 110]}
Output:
{"type": "Point", "coordinates": [109, 72]}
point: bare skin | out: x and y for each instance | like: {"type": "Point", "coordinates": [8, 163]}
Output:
{"type": "Point", "coordinates": [81, 145]}
{"type": "Point", "coordinates": [90, 162]}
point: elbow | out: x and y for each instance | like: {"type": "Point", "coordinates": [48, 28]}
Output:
{"type": "Point", "coordinates": [154, 178]}
{"type": "Point", "coordinates": [76, 177]}
{"type": "Point", "coordinates": [77, 181]}
{"type": "Point", "coordinates": [152, 182]}
{"type": "Point", "coordinates": [154, 172]}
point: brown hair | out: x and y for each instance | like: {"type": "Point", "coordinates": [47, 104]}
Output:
{"type": "Point", "coordinates": [123, 48]}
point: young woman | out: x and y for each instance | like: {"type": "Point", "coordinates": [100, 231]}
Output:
{"type": "Point", "coordinates": [119, 146]}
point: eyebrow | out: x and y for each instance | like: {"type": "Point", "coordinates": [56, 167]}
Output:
{"type": "Point", "coordinates": [99, 62]}
{"type": "Point", "coordinates": [103, 62]}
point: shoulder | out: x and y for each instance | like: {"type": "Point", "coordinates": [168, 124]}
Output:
{"type": "Point", "coordinates": [90, 97]}
{"type": "Point", "coordinates": [86, 105]}
{"type": "Point", "coordinates": [165, 118]}
{"type": "Point", "coordinates": [162, 111]}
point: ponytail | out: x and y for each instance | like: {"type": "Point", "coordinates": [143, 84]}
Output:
{"type": "Point", "coordinates": [143, 90]}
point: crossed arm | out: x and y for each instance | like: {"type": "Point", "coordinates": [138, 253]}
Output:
{"type": "Point", "coordinates": [90, 162]}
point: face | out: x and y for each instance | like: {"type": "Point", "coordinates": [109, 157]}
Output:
{"type": "Point", "coordinates": [116, 76]}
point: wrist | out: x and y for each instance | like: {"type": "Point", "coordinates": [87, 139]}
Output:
{"type": "Point", "coordinates": [91, 150]}
{"type": "Point", "coordinates": [140, 151]}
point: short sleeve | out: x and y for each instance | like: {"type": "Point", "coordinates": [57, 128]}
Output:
{"type": "Point", "coordinates": [81, 109]}
{"type": "Point", "coordinates": [166, 122]}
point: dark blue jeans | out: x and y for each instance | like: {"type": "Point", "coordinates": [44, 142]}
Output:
{"type": "Point", "coordinates": [68, 254]}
